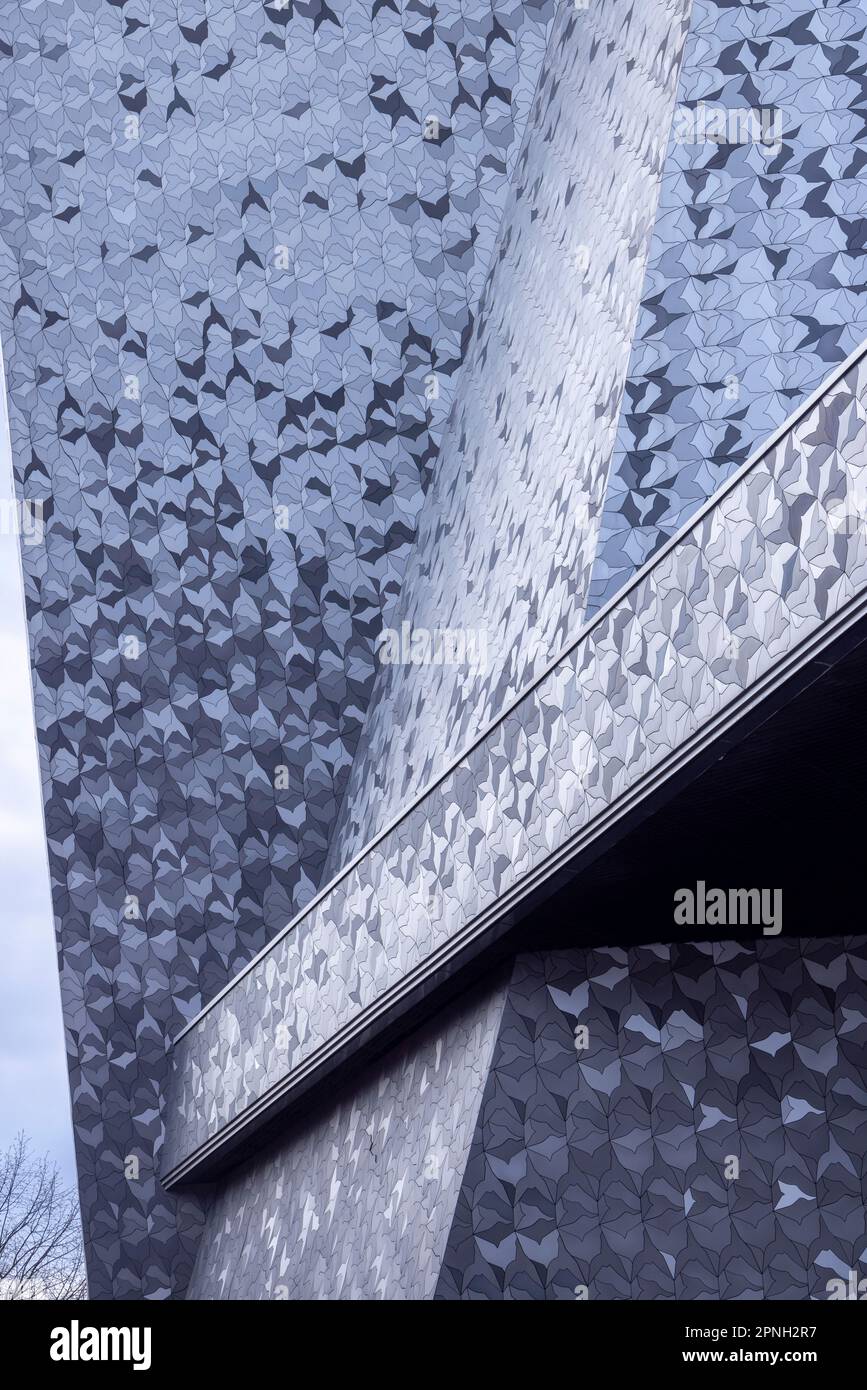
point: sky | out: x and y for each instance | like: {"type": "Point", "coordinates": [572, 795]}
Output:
{"type": "Point", "coordinates": [34, 1090]}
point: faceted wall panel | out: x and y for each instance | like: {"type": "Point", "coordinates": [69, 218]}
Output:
{"type": "Point", "coordinates": [358, 1201]}
{"type": "Point", "coordinates": [753, 592]}
{"type": "Point", "coordinates": [602, 1163]}
{"type": "Point", "coordinates": [758, 262]}
{"type": "Point", "coordinates": [240, 252]}
{"type": "Point", "coordinates": [508, 533]}
{"type": "Point", "coordinates": [244, 253]}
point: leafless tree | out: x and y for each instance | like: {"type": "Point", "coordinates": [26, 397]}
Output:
{"type": "Point", "coordinates": [40, 1229]}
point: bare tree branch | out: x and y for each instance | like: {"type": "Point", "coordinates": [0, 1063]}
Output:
{"type": "Point", "coordinates": [40, 1230]}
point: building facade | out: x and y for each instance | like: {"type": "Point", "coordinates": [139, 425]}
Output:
{"type": "Point", "coordinates": [445, 426]}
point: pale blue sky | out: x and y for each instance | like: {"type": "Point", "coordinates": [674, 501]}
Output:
{"type": "Point", "coordinates": [34, 1091]}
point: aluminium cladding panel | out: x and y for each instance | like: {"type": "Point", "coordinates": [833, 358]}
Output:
{"type": "Point", "coordinates": [237, 283]}
{"type": "Point", "coordinates": [358, 1201]}
{"type": "Point", "coordinates": [507, 535]}
{"type": "Point", "coordinates": [490, 1157]}
{"type": "Point", "coordinates": [769, 572]}
{"type": "Point", "coordinates": [607, 1173]}
{"type": "Point", "coordinates": [757, 266]}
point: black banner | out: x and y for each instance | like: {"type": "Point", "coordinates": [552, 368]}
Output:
{"type": "Point", "coordinates": [87, 1340]}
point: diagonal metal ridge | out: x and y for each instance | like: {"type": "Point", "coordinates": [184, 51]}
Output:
{"type": "Point", "coordinates": [617, 599]}
{"type": "Point", "coordinates": [769, 573]}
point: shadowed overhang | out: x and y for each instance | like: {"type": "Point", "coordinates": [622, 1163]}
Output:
{"type": "Point", "coordinates": [664, 741]}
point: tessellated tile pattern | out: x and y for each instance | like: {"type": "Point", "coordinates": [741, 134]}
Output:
{"type": "Point", "coordinates": [605, 1172]}
{"type": "Point", "coordinates": [321, 317]}
{"type": "Point", "coordinates": [237, 285]}
{"type": "Point", "coordinates": [763, 572]}
{"type": "Point", "coordinates": [358, 1202]}
{"type": "Point", "coordinates": [508, 535]}
{"type": "Point", "coordinates": [757, 266]}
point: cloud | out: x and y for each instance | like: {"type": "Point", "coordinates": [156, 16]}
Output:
{"type": "Point", "coordinates": [34, 1090]}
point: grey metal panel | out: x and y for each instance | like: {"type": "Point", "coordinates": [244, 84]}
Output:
{"type": "Point", "coordinates": [358, 1201]}
{"type": "Point", "coordinates": [768, 572]}
{"type": "Point", "coordinates": [154, 258]}
{"type": "Point", "coordinates": [599, 1169]}
{"type": "Point", "coordinates": [507, 536]}
{"type": "Point", "coordinates": [756, 272]}
{"type": "Point", "coordinates": [229, 260]}
{"type": "Point", "coordinates": [604, 1171]}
